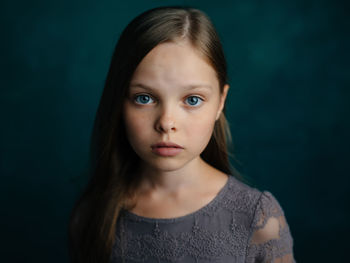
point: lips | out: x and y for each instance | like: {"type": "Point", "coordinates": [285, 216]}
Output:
{"type": "Point", "coordinates": [166, 149]}
{"type": "Point", "coordinates": [166, 144]}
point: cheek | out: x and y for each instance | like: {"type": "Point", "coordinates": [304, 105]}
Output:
{"type": "Point", "coordinates": [135, 124]}
{"type": "Point", "coordinates": [200, 129]}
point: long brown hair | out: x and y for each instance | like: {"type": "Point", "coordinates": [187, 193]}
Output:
{"type": "Point", "coordinates": [113, 163]}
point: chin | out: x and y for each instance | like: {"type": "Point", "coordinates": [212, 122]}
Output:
{"type": "Point", "coordinates": [166, 165]}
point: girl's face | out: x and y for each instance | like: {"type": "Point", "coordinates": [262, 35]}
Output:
{"type": "Point", "coordinates": [174, 97]}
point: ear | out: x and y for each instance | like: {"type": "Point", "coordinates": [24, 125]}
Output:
{"type": "Point", "coordinates": [223, 96]}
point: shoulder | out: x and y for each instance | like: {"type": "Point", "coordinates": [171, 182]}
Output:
{"type": "Point", "coordinates": [251, 201]}
{"type": "Point", "coordinates": [260, 215]}
{"type": "Point", "coordinates": [266, 217]}
{"type": "Point", "coordinates": [269, 233]}
{"type": "Point", "coordinates": [241, 197]}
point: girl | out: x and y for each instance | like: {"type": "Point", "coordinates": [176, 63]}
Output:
{"type": "Point", "coordinates": [162, 189]}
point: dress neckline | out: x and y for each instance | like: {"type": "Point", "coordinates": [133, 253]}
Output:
{"type": "Point", "coordinates": [204, 208]}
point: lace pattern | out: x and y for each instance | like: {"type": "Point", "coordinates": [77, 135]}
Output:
{"type": "Point", "coordinates": [240, 225]}
{"type": "Point", "coordinates": [270, 240]}
{"type": "Point", "coordinates": [197, 244]}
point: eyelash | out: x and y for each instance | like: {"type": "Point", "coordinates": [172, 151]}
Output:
{"type": "Point", "coordinates": [141, 95]}
{"type": "Point", "coordinates": [199, 99]}
{"type": "Point", "coordinates": [146, 95]}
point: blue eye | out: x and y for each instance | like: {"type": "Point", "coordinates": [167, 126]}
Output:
{"type": "Point", "coordinates": [143, 99]}
{"type": "Point", "coordinates": [194, 100]}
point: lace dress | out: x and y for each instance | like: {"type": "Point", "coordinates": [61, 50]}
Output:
{"type": "Point", "coordinates": [241, 224]}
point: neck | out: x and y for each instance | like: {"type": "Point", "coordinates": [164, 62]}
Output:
{"type": "Point", "coordinates": [174, 180]}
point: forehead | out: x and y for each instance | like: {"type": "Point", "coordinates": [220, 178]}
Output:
{"type": "Point", "coordinates": [175, 64]}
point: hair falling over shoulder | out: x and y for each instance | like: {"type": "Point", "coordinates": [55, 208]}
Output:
{"type": "Point", "coordinates": [113, 163]}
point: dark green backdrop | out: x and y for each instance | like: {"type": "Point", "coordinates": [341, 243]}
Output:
{"type": "Point", "coordinates": [288, 107]}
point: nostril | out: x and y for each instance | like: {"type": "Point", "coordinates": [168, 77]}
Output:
{"type": "Point", "coordinates": [164, 125]}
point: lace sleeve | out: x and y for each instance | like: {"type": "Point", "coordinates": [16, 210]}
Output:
{"type": "Point", "coordinates": [270, 239]}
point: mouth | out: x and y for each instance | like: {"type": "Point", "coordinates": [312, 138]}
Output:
{"type": "Point", "coordinates": [166, 145]}
{"type": "Point", "coordinates": [166, 149]}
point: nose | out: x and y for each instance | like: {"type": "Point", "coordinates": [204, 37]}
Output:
{"type": "Point", "coordinates": [166, 121]}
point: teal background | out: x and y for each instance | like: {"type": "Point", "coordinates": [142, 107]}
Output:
{"type": "Point", "coordinates": [288, 108]}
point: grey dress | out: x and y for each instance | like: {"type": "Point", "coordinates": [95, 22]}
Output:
{"type": "Point", "coordinates": [241, 224]}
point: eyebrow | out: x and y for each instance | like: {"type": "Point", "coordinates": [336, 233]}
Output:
{"type": "Point", "coordinates": [187, 87]}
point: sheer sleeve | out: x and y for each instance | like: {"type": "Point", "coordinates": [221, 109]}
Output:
{"type": "Point", "coordinates": [270, 240]}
